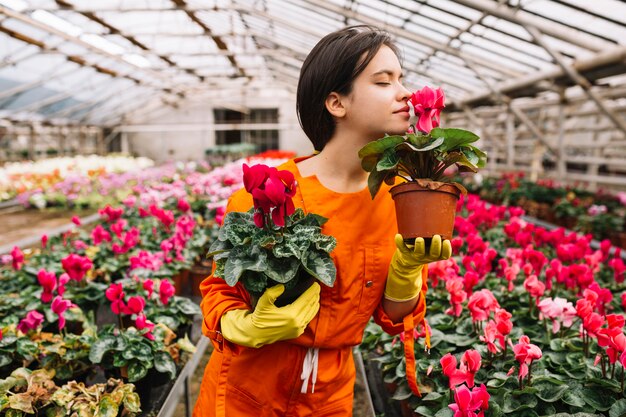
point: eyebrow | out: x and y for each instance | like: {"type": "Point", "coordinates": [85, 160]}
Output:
{"type": "Point", "coordinates": [386, 71]}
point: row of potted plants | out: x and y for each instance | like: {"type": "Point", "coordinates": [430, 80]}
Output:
{"type": "Point", "coordinates": [600, 213]}
{"type": "Point", "coordinates": [99, 303]}
{"type": "Point", "coordinates": [522, 321]}
{"type": "Point", "coordinates": [29, 177]}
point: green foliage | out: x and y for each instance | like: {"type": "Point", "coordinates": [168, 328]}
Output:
{"type": "Point", "coordinates": [420, 156]}
{"type": "Point", "coordinates": [263, 257]}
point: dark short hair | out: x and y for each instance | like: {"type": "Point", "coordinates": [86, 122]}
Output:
{"type": "Point", "coordinates": [332, 66]}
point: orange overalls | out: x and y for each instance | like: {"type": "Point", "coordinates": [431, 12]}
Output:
{"type": "Point", "coordinates": [266, 382]}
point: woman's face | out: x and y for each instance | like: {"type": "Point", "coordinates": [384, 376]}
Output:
{"type": "Point", "coordinates": [378, 101]}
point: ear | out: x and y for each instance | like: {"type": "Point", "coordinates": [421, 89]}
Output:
{"type": "Point", "coordinates": [335, 105]}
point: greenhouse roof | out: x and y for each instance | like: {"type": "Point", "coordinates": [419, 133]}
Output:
{"type": "Point", "coordinates": [98, 62]}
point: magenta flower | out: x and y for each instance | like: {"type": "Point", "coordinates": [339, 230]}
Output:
{"type": "Point", "coordinates": [470, 403]}
{"type": "Point", "coordinates": [59, 306]}
{"type": "Point", "coordinates": [525, 354]}
{"type": "Point", "coordinates": [48, 282]}
{"type": "Point", "coordinates": [427, 105]}
{"type": "Point", "coordinates": [135, 305]}
{"type": "Point", "coordinates": [481, 303]}
{"type": "Point", "coordinates": [141, 322]}
{"type": "Point", "coordinates": [183, 205]}
{"type": "Point", "coordinates": [76, 220]}
{"type": "Point", "coordinates": [17, 258]}
{"type": "Point", "coordinates": [44, 241]}
{"type": "Point", "coordinates": [99, 235]}
{"type": "Point", "coordinates": [148, 285]}
{"type": "Point", "coordinates": [76, 266]}
{"type": "Point", "coordinates": [272, 191]}
{"type": "Point", "coordinates": [110, 214]}
{"type": "Point", "coordinates": [32, 320]}
{"type": "Point", "coordinates": [166, 291]}
{"type": "Point", "coordinates": [63, 279]}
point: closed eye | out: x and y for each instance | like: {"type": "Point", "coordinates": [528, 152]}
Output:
{"type": "Point", "coordinates": [383, 83]}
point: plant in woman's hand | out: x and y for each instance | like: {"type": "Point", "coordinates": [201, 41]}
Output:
{"type": "Point", "coordinates": [273, 242]}
{"type": "Point", "coordinates": [425, 151]}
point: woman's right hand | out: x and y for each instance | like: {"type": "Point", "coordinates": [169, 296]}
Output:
{"type": "Point", "coordinates": [268, 323]}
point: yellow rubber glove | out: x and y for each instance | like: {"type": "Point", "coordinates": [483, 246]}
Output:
{"type": "Point", "coordinates": [268, 323]}
{"type": "Point", "coordinates": [404, 279]}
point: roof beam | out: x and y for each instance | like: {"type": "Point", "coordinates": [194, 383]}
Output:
{"type": "Point", "coordinates": [578, 79]}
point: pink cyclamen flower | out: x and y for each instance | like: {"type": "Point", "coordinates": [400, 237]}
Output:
{"type": "Point", "coordinates": [534, 287]}
{"type": "Point", "coordinates": [470, 403]}
{"type": "Point", "coordinates": [48, 282]}
{"type": "Point", "coordinates": [426, 104]}
{"type": "Point", "coordinates": [559, 310]}
{"type": "Point", "coordinates": [17, 258]}
{"type": "Point", "coordinates": [76, 266]}
{"type": "Point", "coordinates": [525, 353]}
{"type": "Point", "coordinates": [76, 220]}
{"type": "Point", "coordinates": [148, 285]}
{"type": "Point", "coordinates": [63, 279]}
{"type": "Point", "coordinates": [44, 241]}
{"type": "Point", "coordinates": [166, 291]}
{"type": "Point", "coordinates": [481, 303]}
{"type": "Point", "coordinates": [183, 205]}
{"type": "Point", "coordinates": [141, 322]}
{"type": "Point", "coordinates": [135, 305]}
{"type": "Point", "coordinates": [59, 306]}
{"type": "Point", "coordinates": [32, 320]}
{"type": "Point", "coordinates": [99, 234]}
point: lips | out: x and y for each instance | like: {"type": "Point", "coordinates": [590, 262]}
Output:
{"type": "Point", "coordinates": [403, 110]}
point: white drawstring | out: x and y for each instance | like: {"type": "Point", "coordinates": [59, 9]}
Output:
{"type": "Point", "coordinates": [309, 367]}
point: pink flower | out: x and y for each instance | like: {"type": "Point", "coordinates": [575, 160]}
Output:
{"type": "Point", "coordinates": [44, 241]}
{"type": "Point", "coordinates": [99, 235]}
{"type": "Point", "coordinates": [76, 220]}
{"type": "Point", "coordinates": [48, 282]}
{"type": "Point", "coordinates": [59, 306]}
{"type": "Point", "coordinates": [254, 176]}
{"type": "Point", "coordinates": [146, 260]}
{"type": "Point", "coordinates": [559, 310]}
{"type": "Point", "coordinates": [141, 322]}
{"type": "Point", "coordinates": [17, 257]}
{"type": "Point", "coordinates": [32, 320]}
{"type": "Point", "coordinates": [489, 336]}
{"type": "Point", "coordinates": [166, 291]}
{"type": "Point", "coordinates": [481, 303]}
{"type": "Point", "coordinates": [470, 363]}
{"type": "Point", "coordinates": [614, 340]}
{"type": "Point", "coordinates": [617, 264]}
{"type": "Point", "coordinates": [427, 105]}
{"type": "Point", "coordinates": [534, 287]}
{"type": "Point", "coordinates": [63, 279]}
{"type": "Point", "coordinates": [135, 305]}
{"type": "Point", "coordinates": [115, 294]}
{"type": "Point", "coordinates": [183, 205]}
{"type": "Point", "coordinates": [525, 353]}
{"type": "Point", "coordinates": [454, 286]}
{"type": "Point", "coordinates": [76, 266]}
{"type": "Point", "coordinates": [148, 285]}
{"type": "Point", "coordinates": [470, 403]}
{"type": "Point", "coordinates": [272, 191]}
{"type": "Point", "coordinates": [118, 227]}
{"type": "Point", "coordinates": [110, 214]}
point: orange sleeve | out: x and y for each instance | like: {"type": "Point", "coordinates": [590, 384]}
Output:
{"type": "Point", "coordinates": [219, 297]}
{"type": "Point", "coordinates": [382, 319]}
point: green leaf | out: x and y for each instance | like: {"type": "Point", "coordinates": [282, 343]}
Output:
{"type": "Point", "coordinates": [164, 363]}
{"type": "Point", "coordinates": [376, 179]}
{"type": "Point", "coordinates": [219, 246]}
{"type": "Point", "coordinates": [186, 306]}
{"type": "Point", "coordinates": [573, 398]}
{"type": "Point", "coordinates": [444, 412]}
{"type": "Point", "coordinates": [325, 243]}
{"type": "Point", "coordinates": [618, 409]}
{"type": "Point", "coordinates": [139, 351]}
{"type": "Point", "coordinates": [101, 346]}
{"type": "Point", "coordinates": [432, 396]}
{"type": "Point", "coordinates": [389, 160]}
{"type": "Point", "coordinates": [518, 402]}
{"type": "Point", "coordinates": [434, 144]}
{"type": "Point", "coordinates": [378, 147]}
{"type": "Point", "coordinates": [282, 270]}
{"type": "Point", "coordinates": [549, 391]}
{"type": "Point", "coordinates": [27, 347]}
{"type": "Point", "coordinates": [424, 411]}
{"type": "Point", "coordinates": [244, 258]}
{"type": "Point", "coordinates": [402, 393]}
{"type": "Point", "coordinates": [418, 140]}
{"type": "Point", "coordinates": [454, 138]}
{"type": "Point", "coordinates": [597, 397]}
{"type": "Point", "coordinates": [5, 359]}
{"type": "Point", "coordinates": [321, 266]}
{"type": "Point", "coordinates": [137, 371]}
{"type": "Point", "coordinates": [107, 407]}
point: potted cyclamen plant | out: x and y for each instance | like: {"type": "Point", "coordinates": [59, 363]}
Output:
{"type": "Point", "coordinates": [426, 200]}
{"type": "Point", "coordinates": [273, 243]}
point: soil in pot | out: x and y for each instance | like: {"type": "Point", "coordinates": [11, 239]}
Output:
{"type": "Point", "coordinates": [425, 212]}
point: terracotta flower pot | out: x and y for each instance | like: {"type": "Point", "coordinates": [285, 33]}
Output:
{"type": "Point", "coordinates": [425, 212]}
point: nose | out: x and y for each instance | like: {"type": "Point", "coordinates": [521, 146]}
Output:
{"type": "Point", "coordinates": [404, 94]}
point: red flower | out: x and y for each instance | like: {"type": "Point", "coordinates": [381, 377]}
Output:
{"type": "Point", "coordinates": [99, 234]}
{"type": "Point", "coordinates": [254, 176]}
{"type": "Point", "coordinates": [110, 214]}
{"type": "Point", "coordinates": [272, 191]}
{"type": "Point", "coordinates": [44, 241]}
{"type": "Point", "coordinates": [76, 266]}
{"type": "Point", "coordinates": [470, 403]}
{"type": "Point", "coordinates": [183, 205]}
{"type": "Point", "coordinates": [148, 285]}
{"type": "Point", "coordinates": [135, 305]}
{"type": "Point", "coordinates": [17, 258]}
{"type": "Point", "coordinates": [427, 105]}
{"type": "Point", "coordinates": [166, 291]}
{"type": "Point", "coordinates": [534, 287]}
{"type": "Point", "coordinates": [76, 220]}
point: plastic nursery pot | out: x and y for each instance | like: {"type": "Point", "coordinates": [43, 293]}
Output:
{"type": "Point", "coordinates": [424, 212]}
{"type": "Point", "coordinates": [304, 281]}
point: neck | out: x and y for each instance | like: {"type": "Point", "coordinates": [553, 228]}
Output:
{"type": "Point", "coordinates": [340, 158]}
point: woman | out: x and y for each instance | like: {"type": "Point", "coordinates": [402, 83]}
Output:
{"type": "Point", "coordinates": [297, 360]}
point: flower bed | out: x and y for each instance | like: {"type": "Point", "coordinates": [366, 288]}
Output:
{"type": "Point", "coordinates": [98, 306]}
{"type": "Point", "coordinates": [522, 322]}
{"type": "Point", "coordinates": [599, 213]}
{"type": "Point", "coordinates": [31, 178]}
